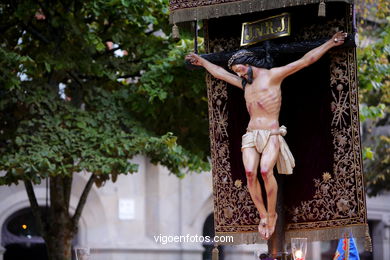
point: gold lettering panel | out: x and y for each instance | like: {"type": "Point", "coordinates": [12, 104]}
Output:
{"type": "Point", "coordinates": [265, 29]}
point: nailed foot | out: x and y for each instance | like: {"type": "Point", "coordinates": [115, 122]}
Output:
{"type": "Point", "coordinates": [263, 226]}
{"type": "Point", "coordinates": [272, 218]}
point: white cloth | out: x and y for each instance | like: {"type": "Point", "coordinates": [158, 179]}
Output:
{"type": "Point", "coordinates": [259, 139]}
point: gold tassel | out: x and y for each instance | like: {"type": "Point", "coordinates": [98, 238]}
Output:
{"type": "Point", "coordinates": [215, 253]}
{"type": "Point", "coordinates": [367, 241]}
{"type": "Point", "coordinates": [175, 32]}
{"type": "Point", "coordinates": [322, 9]}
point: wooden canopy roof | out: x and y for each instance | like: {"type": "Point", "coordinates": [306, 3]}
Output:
{"type": "Point", "coordinates": [190, 10]}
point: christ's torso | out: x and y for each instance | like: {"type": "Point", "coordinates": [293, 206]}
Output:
{"type": "Point", "coordinates": [263, 101]}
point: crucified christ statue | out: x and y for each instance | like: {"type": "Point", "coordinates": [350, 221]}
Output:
{"type": "Point", "coordinates": [263, 142]}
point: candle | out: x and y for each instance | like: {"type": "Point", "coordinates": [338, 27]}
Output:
{"type": "Point", "coordinates": [298, 255]}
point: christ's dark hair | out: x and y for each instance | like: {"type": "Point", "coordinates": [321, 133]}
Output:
{"type": "Point", "coordinates": [244, 56]}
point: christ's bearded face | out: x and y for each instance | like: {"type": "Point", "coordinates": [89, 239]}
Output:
{"type": "Point", "coordinates": [244, 71]}
{"type": "Point", "coordinates": [241, 70]}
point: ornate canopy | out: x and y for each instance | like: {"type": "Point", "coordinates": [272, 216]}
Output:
{"type": "Point", "coordinates": [190, 10]}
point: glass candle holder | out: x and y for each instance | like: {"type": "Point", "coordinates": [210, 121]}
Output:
{"type": "Point", "coordinates": [299, 248]}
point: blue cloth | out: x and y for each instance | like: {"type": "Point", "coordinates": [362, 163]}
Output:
{"type": "Point", "coordinates": [346, 250]}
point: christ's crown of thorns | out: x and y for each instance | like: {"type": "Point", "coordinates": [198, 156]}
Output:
{"type": "Point", "coordinates": [239, 54]}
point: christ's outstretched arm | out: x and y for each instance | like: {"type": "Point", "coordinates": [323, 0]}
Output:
{"type": "Point", "coordinates": [309, 58]}
{"type": "Point", "coordinates": [215, 70]}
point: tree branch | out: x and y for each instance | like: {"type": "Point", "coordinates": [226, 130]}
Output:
{"type": "Point", "coordinates": [82, 201]}
{"type": "Point", "coordinates": [36, 33]}
{"type": "Point", "coordinates": [35, 208]}
{"type": "Point", "coordinates": [75, 77]}
{"type": "Point", "coordinates": [67, 190]}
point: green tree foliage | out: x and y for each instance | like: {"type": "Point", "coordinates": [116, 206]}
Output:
{"type": "Point", "coordinates": [70, 103]}
{"type": "Point", "coordinates": [378, 170]}
{"type": "Point", "coordinates": [374, 77]}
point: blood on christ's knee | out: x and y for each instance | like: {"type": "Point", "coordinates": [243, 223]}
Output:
{"type": "Point", "coordinates": [250, 176]}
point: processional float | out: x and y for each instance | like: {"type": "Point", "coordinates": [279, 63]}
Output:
{"type": "Point", "coordinates": [324, 197]}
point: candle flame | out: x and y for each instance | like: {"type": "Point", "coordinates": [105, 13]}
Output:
{"type": "Point", "coordinates": [298, 254]}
